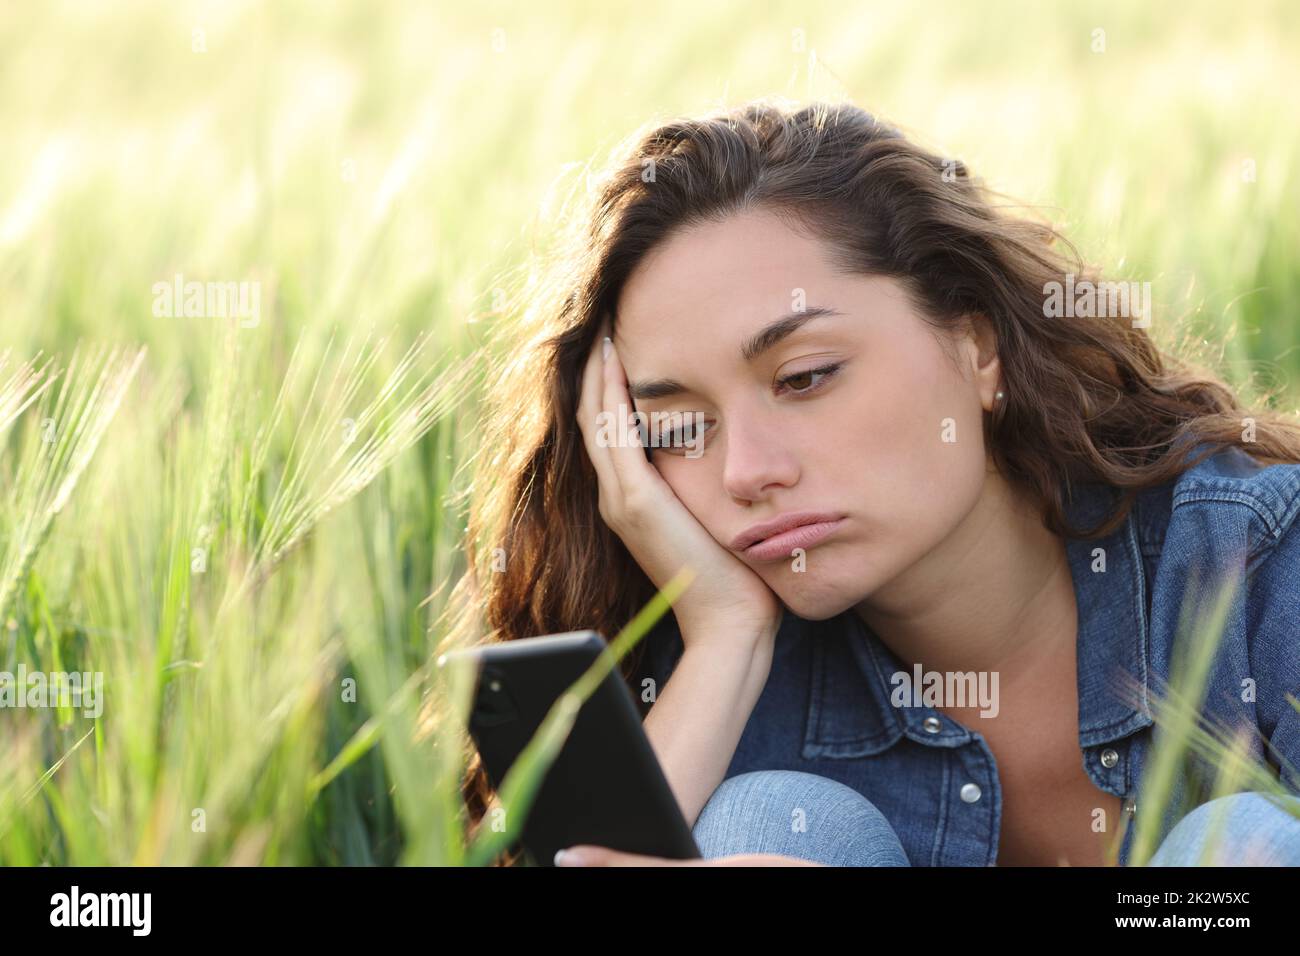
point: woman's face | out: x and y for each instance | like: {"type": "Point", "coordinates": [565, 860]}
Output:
{"type": "Point", "coordinates": [880, 420]}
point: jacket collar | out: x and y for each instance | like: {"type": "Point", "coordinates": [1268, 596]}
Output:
{"type": "Point", "coordinates": [850, 717]}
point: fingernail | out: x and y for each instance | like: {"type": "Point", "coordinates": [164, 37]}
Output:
{"type": "Point", "coordinates": [569, 857]}
{"type": "Point", "coordinates": [605, 347]}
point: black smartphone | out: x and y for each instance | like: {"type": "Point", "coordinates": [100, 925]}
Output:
{"type": "Point", "coordinates": [606, 786]}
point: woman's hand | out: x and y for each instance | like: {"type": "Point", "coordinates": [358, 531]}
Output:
{"type": "Point", "coordinates": [587, 855]}
{"type": "Point", "coordinates": [659, 532]}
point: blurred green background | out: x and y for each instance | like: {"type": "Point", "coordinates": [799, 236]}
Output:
{"type": "Point", "coordinates": [382, 170]}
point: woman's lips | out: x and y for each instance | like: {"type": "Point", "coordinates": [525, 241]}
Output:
{"type": "Point", "coordinates": [780, 545]}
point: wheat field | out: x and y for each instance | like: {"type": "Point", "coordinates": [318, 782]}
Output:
{"type": "Point", "coordinates": [251, 255]}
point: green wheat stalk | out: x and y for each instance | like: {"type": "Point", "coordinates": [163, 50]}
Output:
{"type": "Point", "coordinates": [69, 433]}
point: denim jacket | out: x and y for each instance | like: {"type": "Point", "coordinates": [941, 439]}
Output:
{"type": "Point", "coordinates": [826, 709]}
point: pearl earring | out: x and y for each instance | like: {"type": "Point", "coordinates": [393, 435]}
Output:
{"type": "Point", "coordinates": [1000, 395]}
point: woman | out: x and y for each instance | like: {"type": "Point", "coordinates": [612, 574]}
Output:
{"type": "Point", "coordinates": [898, 470]}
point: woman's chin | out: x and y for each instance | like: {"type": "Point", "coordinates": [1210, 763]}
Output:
{"type": "Point", "coordinates": [813, 603]}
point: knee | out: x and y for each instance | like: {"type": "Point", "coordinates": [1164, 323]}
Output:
{"type": "Point", "coordinates": [1240, 829]}
{"type": "Point", "coordinates": [793, 813]}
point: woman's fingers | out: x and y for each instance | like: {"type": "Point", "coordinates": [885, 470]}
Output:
{"type": "Point", "coordinates": [587, 855]}
{"type": "Point", "coordinates": [605, 412]}
{"type": "Point", "coordinates": [627, 456]}
{"type": "Point", "coordinates": [589, 407]}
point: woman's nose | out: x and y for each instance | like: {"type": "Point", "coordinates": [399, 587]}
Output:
{"type": "Point", "coordinates": [755, 457]}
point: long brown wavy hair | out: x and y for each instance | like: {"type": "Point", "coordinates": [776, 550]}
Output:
{"type": "Point", "coordinates": [1086, 400]}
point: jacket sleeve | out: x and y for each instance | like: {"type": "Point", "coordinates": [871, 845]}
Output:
{"type": "Point", "coordinates": [1274, 632]}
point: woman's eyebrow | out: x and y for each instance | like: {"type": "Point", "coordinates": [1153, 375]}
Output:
{"type": "Point", "coordinates": [780, 329]}
{"type": "Point", "coordinates": [767, 338]}
{"type": "Point", "coordinates": [655, 388]}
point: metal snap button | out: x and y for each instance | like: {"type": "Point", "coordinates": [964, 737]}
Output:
{"type": "Point", "coordinates": [970, 793]}
{"type": "Point", "coordinates": [932, 725]}
{"type": "Point", "coordinates": [1109, 758]}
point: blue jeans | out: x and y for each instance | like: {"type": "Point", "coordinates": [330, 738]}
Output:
{"type": "Point", "coordinates": [810, 817]}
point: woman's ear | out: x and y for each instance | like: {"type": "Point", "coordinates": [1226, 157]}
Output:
{"type": "Point", "coordinates": [984, 362]}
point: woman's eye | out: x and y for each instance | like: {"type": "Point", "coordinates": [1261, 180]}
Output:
{"type": "Point", "coordinates": [796, 382]}
{"type": "Point", "coordinates": [678, 438]}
